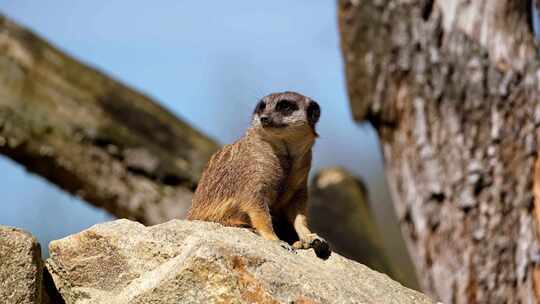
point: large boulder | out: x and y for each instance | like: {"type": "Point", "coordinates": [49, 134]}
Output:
{"type": "Point", "coordinates": [198, 262]}
{"type": "Point", "coordinates": [20, 267]}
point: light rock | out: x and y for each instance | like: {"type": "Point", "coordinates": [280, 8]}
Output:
{"type": "Point", "coordinates": [20, 267]}
{"type": "Point", "coordinates": [198, 262]}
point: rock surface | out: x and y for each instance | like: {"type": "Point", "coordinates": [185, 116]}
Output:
{"type": "Point", "coordinates": [20, 267]}
{"type": "Point", "coordinates": [198, 262]}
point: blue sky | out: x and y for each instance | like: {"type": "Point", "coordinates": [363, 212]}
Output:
{"type": "Point", "coordinates": [207, 64]}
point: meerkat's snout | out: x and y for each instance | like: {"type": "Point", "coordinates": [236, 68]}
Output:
{"type": "Point", "coordinates": [265, 121]}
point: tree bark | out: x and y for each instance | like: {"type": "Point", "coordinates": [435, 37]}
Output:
{"type": "Point", "coordinates": [452, 87]}
{"type": "Point", "coordinates": [93, 136]}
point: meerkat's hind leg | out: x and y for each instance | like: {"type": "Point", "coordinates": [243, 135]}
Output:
{"type": "Point", "coordinates": [309, 239]}
{"type": "Point", "coordinates": [261, 221]}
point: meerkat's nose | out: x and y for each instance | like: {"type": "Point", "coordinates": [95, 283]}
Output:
{"type": "Point", "coordinates": [265, 120]}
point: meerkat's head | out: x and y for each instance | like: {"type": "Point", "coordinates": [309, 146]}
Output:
{"type": "Point", "coordinates": [286, 114]}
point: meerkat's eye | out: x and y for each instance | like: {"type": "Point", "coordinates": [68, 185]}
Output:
{"type": "Point", "coordinates": [286, 107]}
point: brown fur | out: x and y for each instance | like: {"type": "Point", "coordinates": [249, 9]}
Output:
{"type": "Point", "coordinates": [262, 176]}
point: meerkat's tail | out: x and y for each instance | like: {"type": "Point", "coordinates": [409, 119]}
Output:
{"type": "Point", "coordinates": [229, 219]}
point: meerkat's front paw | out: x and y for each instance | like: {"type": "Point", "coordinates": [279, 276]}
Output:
{"type": "Point", "coordinates": [319, 245]}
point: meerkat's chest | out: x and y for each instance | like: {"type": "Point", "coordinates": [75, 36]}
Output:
{"type": "Point", "coordinates": [292, 178]}
{"type": "Point", "coordinates": [282, 173]}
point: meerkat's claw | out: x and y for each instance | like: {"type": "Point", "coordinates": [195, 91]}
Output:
{"type": "Point", "coordinates": [286, 246]}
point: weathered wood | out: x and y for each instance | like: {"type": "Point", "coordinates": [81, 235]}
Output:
{"type": "Point", "coordinates": [93, 136]}
{"type": "Point", "coordinates": [340, 211]}
{"type": "Point", "coordinates": [452, 87]}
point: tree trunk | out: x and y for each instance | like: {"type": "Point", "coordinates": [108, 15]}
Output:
{"type": "Point", "coordinates": [452, 87]}
{"type": "Point", "coordinates": [93, 136]}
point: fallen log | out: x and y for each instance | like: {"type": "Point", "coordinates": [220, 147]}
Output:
{"type": "Point", "coordinates": [93, 136]}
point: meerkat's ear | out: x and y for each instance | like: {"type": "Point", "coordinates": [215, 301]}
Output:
{"type": "Point", "coordinates": [313, 112]}
{"type": "Point", "coordinates": [259, 108]}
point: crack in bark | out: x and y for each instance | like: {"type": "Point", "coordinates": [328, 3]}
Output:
{"type": "Point", "coordinates": [427, 9]}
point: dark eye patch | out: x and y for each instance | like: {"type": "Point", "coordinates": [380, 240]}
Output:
{"type": "Point", "coordinates": [260, 107]}
{"type": "Point", "coordinates": [286, 107]}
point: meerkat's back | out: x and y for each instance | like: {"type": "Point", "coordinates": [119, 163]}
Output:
{"type": "Point", "coordinates": [219, 196]}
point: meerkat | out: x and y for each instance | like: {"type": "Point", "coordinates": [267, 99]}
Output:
{"type": "Point", "coordinates": [261, 179]}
